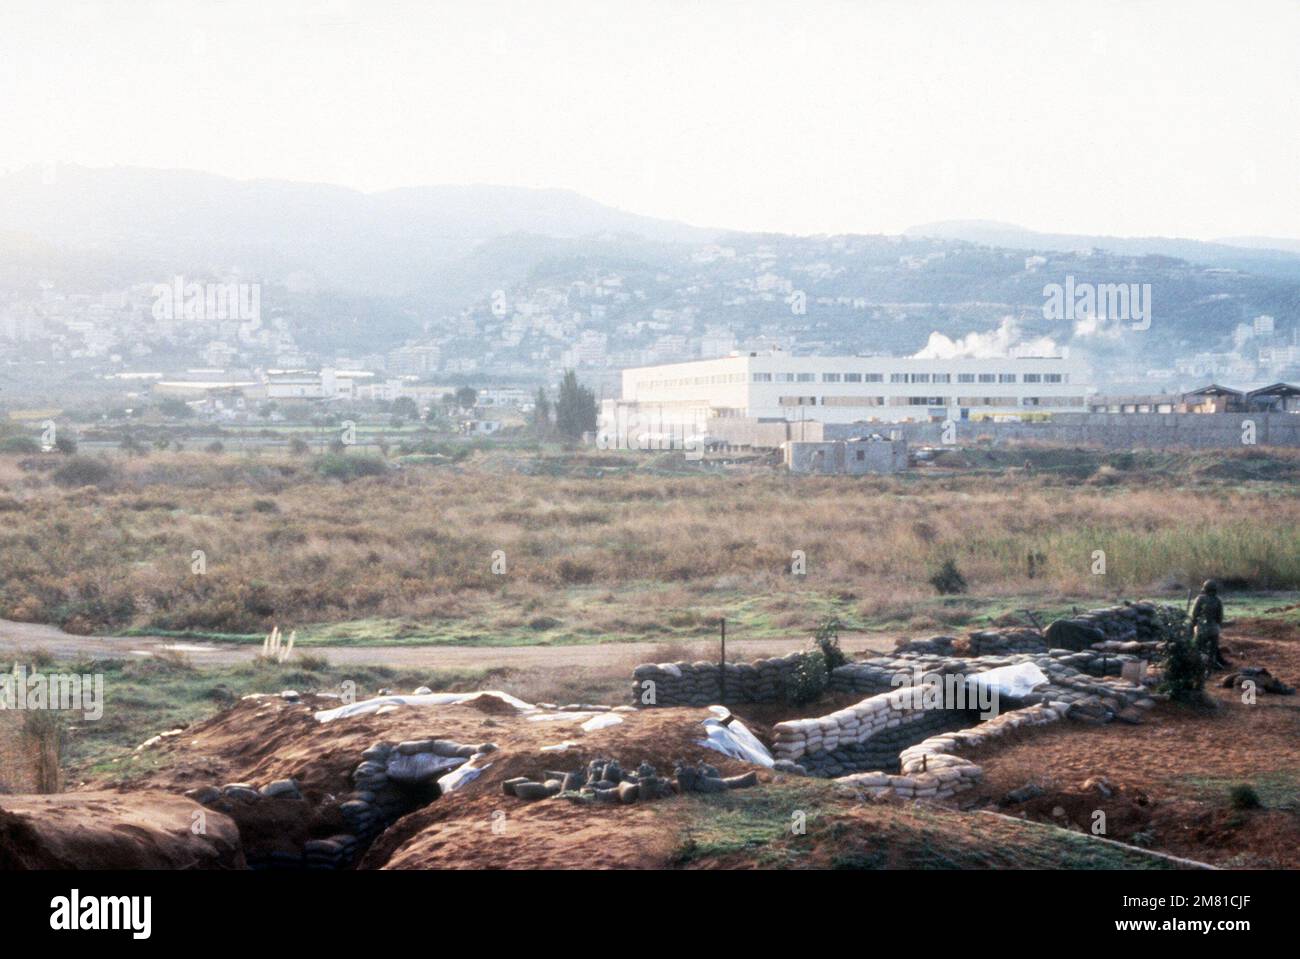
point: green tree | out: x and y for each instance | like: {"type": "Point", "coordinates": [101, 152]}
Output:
{"type": "Point", "coordinates": [541, 413]}
{"type": "Point", "coordinates": [466, 397]}
{"type": "Point", "coordinates": [174, 408]}
{"type": "Point", "coordinates": [575, 408]}
{"type": "Point", "coordinates": [405, 407]}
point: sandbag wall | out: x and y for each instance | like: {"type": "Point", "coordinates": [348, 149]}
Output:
{"type": "Point", "coordinates": [1130, 623]}
{"type": "Point", "coordinates": [699, 684]}
{"type": "Point", "coordinates": [867, 735]}
{"type": "Point", "coordinates": [932, 769]}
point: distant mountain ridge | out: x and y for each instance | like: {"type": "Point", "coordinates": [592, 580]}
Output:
{"type": "Point", "coordinates": [1249, 254]}
{"type": "Point", "coordinates": [385, 242]}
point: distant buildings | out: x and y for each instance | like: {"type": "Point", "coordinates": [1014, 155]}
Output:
{"type": "Point", "coordinates": [1277, 398]}
{"type": "Point", "coordinates": [681, 399]}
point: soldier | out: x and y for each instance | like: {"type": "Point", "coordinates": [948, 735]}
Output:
{"type": "Point", "coordinates": [1207, 617]}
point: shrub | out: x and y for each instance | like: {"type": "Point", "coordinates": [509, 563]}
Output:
{"type": "Point", "coordinates": [1185, 669]}
{"type": "Point", "coordinates": [948, 580]}
{"type": "Point", "coordinates": [84, 471]}
{"type": "Point", "coordinates": [19, 444]}
{"type": "Point", "coordinates": [298, 446]}
{"type": "Point", "coordinates": [1243, 796]}
{"type": "Point", "coordinates": [43, 732]}
{"type": "Point", "coordinates": [66, 445]}
{"type": "Point", "coordinates": [827, 640]}
{"type": "Point", "coordinates": [216, 446]}
{"type": "Point", "coordinates": [807, 681]}
{"type": "Point", "coordinates": [344, 467]}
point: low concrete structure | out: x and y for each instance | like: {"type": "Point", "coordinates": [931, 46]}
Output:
{"type": "Point", "coordinates": [854, 456]}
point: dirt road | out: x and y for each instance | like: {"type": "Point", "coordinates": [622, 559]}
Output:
{"type": "Point", "coordinates": [25, 638]}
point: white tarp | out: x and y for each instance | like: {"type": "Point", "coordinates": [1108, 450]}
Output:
{"type": "Point", "coordinates": [601, 721]}
{"type": "Point", "coordinates": [1014, 681]}
{"type": "Point", "coordinates": [368, 706]}
{"type": "Point", "coordinates": [561, 717]}
{"type": "Point", "coordinates": [735, 740]}
{"type": "Point", "coordinates": [459, 777]}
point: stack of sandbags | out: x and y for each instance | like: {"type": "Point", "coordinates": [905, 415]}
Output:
{"type": "Point", "coordinates": [336, 852]}
{"type": "Point", "coordinates": [1127, 623]}
{"type": "Point", "coordinates": [699, 683]}
{"type": "Point", "coordinates": [995, 642]}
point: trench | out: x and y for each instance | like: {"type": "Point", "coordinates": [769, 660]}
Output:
{"type": "Point", "coordinates": [288, 832]}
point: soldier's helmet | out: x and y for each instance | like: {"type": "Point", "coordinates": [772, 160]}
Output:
{"type": "Point", "coordinates": [1209, 586]}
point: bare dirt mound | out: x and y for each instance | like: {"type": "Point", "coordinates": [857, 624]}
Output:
{"type": "Point", "coordinates": [264, 739]}
{"type": "Point", "coordinates": [98, 830]}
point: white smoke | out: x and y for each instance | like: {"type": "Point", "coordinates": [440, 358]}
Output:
{"type": "Point", "coordinates": [1006, 340]}
{"type": "Point", "coordinates": [1098, 328]}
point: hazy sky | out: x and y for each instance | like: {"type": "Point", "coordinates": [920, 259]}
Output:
{"type": "Point", "coordinates": [1178, 118]}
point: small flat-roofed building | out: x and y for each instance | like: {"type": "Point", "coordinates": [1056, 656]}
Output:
{"type": "Point", "coordinates": [856, 456]}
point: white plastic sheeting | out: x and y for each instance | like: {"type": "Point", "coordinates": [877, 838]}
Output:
{"type": "Point", "coordinates": [561, 717]}
{"type": "Point", "coordinates": [459, 777]}
{"type": "Point", "coordinates": [368, 706]}
{"type": "Point", "coordinates": [735, 740]}
{"type": "Point", "coordinates": [601, 721]}
{"type": "Point", "coordinates": [1014, 681]}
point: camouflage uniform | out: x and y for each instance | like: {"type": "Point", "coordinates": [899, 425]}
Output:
{"type": "Point", "coordinates": [1207, 615]}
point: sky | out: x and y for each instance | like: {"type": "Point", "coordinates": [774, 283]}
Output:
{"type": "Point", "coordinates": [1132, 118]}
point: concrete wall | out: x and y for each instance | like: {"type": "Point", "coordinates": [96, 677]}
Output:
{"type": "Point", "coordinates": [1111, 430]}
{"type": "Point", "coordinates": [852, 457]}
{"type": "Point", "coordinates": [761, 434]}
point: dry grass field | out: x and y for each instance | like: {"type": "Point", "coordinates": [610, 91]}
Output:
{"type": "Point", "coordinates": [484, 551]}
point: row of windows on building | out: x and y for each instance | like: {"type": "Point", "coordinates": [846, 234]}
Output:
{"type": "Point", "coordinates": [912, 378]}
{"type": "Point", "coordinates": [934, 401]}
{"type": "Point", "coordinates": [718, 379]}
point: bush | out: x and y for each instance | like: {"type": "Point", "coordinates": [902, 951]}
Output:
{"type": "Point", "coordinates": [827, 640]}
{"type": "Point", "coordinates": [807, 681]}
{"type": "Point", "coordinates": [1243, 796]}
{"type": "Point", "coordinates": [216, 446]}
{"type": "Point", "coordinates": [19, 444]}
{"type": "Point", "coordinates": [84, 471]}
{"type": "Point", "coordinates": [344, 467]}
{"type": "Point", "coordinates": [298, 446]}
{"type": "Point", "coordinates": [1185, 669]}
{"type": "Point", "coordinates": [948, 580]}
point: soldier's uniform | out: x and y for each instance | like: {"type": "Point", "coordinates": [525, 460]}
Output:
{"type": "Point", "coordinates": [1207, 616]}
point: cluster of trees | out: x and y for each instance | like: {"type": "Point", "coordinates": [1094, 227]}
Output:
{"type": "Point", "coordinates": [572, 414]}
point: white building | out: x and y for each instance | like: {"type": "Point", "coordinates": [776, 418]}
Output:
{"type": "Point", "coordinates": [680, 398]}
{"type": "Point", "coordinates": [326, 384]}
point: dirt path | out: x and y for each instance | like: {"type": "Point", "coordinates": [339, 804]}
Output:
{"type": "Point", "coordinates": [18, 638]}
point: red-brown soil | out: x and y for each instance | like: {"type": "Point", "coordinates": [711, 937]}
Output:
{"type": "Point", "coordinates": [266, 739]}
{"type": "Point", "coordinates": [1171, 775]}
{"type": "Point", "coordinates": [99, 830]}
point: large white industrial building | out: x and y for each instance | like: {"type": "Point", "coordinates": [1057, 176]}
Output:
{"type": "Point", "coordinates": [677, 401]}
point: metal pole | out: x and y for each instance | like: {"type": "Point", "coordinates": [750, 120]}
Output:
{"type": "Point", "coordinates": [722, 666]}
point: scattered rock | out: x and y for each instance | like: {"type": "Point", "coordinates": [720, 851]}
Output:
{"type": "Point", "coordinates": [1023, 794]}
